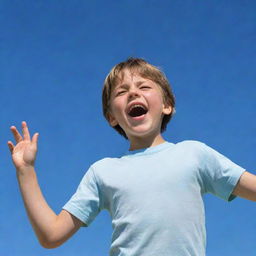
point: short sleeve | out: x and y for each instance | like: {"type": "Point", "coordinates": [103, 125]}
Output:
{"type": "Point", "coordinates": [85, 204]}
{"type": "Point", "coordinates": [219, 174]}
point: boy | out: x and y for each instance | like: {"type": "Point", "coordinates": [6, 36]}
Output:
{"type": "Point", "coordinates": [154, 192]}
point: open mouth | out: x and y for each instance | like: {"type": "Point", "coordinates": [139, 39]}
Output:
{"type": "Point", "coordinates": [137, 110]}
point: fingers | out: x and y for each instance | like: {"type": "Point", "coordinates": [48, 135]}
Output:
{"type": "Point", "coordinates": [16, 134]}
{"type": "Point", "coordinates": [25, 131]}
{"type": "Point", "coordinates": [35, 138]}
{"type": "Point", "coordinates": [10, 145]}
{"type": "Point", "coordinates": [26, 135]}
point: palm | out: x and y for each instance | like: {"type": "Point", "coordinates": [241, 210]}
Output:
{"type": "Point", "coordinates": [24, 152]}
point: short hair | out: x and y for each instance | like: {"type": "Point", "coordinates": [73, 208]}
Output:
{"type": "Point", "coordinates": [145, 70]}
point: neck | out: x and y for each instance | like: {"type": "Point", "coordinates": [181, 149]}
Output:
{"type": "Point", "coordinates": [139, 143]}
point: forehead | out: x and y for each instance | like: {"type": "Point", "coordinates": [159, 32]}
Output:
{"type": "Point", "coordinates": [127, 76]}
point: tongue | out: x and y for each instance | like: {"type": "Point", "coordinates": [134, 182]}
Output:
{"type": "Point", "coordinates": [137, 111]}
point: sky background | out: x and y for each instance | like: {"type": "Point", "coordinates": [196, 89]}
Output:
{"type": "Point", "coordinates": [54, 56]}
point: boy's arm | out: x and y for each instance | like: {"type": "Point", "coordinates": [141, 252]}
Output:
{"type": "Point", "coordinates": [246, 186]}
{"type": "Point", "coordinates": [52, 230]}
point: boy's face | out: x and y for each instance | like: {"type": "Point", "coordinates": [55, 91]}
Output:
{"type": "Point", "coordinates": [136, 104]}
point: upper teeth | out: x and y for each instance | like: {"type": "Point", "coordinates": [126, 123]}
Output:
{"type": "Point", "coordinates": [135, 106]}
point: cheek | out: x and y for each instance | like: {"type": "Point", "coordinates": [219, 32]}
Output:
{"type": "Point", "coordinates": [116, 107]}
{"type": "Point", "coordinates": [156, 100]}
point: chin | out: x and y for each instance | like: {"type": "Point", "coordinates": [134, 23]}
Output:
{"type": "Point", "coordinates": [142, 132]}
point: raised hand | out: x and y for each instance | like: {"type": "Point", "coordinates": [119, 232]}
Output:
{"type": "Point", "coordinates": [24, 152]}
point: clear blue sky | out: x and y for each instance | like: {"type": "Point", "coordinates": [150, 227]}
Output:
{"type": "Point", "coordinates": [54, 56]}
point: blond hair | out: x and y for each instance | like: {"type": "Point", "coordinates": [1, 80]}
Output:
{"type": "Point", "coordinates": [145, 70]}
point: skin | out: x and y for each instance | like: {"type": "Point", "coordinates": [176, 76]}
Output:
{"type": "Point", "coordinates": [53, 230]}
{"type": "Point", "coordinates": [246, 187]}
{"type": "Point", "coordinates": [142, 132]}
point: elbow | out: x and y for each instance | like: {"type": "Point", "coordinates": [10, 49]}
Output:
{"type": "Point", "coordinates": [49, 244]}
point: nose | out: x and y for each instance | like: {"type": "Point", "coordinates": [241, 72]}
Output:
{"type": "Point", "coordinates": [133, 92]}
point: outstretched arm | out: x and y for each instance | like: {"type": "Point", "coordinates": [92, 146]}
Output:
{"type": "Point", "coordinates": [52, 230]}
{"type": "Point", "coordinates": [246, 186]}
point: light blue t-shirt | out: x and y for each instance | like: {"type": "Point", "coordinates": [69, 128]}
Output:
{"type": "Point", "coordinates": [154, 197]}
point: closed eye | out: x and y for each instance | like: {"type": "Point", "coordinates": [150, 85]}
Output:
{"type": "Point", "coordinates": [121, 92]}
{"type": "Point", "coordinates": [145, 87]}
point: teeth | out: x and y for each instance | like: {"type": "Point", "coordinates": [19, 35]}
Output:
{"type": "Point", "coordinates": [135, 106]}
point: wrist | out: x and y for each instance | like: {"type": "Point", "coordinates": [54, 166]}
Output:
{"type": "Point", "coordinates": [25, 170]}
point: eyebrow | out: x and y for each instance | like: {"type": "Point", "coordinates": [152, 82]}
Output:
{"type": "Point", "coordinates": [125, 85]}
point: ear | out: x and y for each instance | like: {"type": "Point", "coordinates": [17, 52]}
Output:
{"type": "Point", "coordinates": [111, 119]}
{"type": "Point", "coordinates": [167, 110]}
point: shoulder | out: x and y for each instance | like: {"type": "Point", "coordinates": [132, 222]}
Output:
{"type": "Point", "coordinates": [192, 145]}
{"type": "Point", "coordinates": [195, 149]}
{"type": "Point", "coordinates": [104, 165]}
{"type": "Point", "coordinates": [105, 162]}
